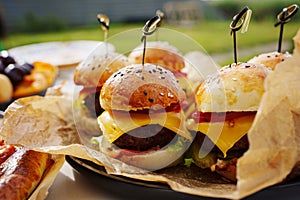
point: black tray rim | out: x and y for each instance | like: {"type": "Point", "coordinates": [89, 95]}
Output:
{"type": "Point", "coordinates": [88, 167]}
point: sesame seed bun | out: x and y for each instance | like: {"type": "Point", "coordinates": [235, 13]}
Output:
{"type": "Point", "coordinates": [270, 60]}
{"type": "Point", "coordinates": [96, 69]}
{"type": "Point", "coordinates": [237, 87]}
{"type": "Point", "coordinates": [160, 53]}
{"type": "Point", "coordinates": [138, 87]}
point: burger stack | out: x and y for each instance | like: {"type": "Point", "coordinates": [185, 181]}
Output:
{"type": "Point", "coordinates": [142, 120]}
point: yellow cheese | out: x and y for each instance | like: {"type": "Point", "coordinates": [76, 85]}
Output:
{"type": "Point", "coordinates": [115, 124]}
{"type": "Point", "coordinates": [224, 134]}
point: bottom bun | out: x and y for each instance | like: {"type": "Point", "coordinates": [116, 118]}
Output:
{"type": "Point", "coordinates": [168, 156]}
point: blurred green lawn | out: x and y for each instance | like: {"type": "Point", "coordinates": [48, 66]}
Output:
{"type": "Point", "coordinates": [214, 36]}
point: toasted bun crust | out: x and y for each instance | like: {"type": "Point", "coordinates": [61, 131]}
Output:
{"type": "Point", "coordinates": [6, 89]}
{"type": "Point", "coordinates": [270, 59]}
{"type": "Point", "coordinates": [160, 53]}
{"type": "Point", "coordinates": [151, 160]}
{"type": "Point", "coordinates": [96, 69]}
{"type": "Point", "coordinates": [22, 170]}
{"type": "Point", "coordinates": [237, 87]}
{"type": "Point", "coordinates": [138, 87]}
{"type": "Point", "coordinates": [42, 76]}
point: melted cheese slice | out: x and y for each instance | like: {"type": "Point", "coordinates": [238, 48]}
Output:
{"type": "Point", "coordinates": [115, 124]}
{"type": "Point", "coordinates": [224, 134]}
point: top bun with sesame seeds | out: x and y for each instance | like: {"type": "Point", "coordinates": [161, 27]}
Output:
{"type": "Point", "coordinates": [160, 53]}
{"type": "Point", "coordinates": [237, 87]}
{"type": "Point", "coordinates": [271, 59]}
{"type": "Point", "coordinates": [138, 87]}
{"type": "Point", "coordinates": [95, 70]}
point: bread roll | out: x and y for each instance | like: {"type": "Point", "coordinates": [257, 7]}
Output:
{"type": "Point", "coordinates": [6, 89]}
{"type": "Point", "coordinates": [21, 172]}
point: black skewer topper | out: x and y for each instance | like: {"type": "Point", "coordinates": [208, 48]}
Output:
{"type": "Point", "coordinates": [240, 21]}
{"type": "Point", "coordinates": [149, 28]}
{"type": "Point", "coordinates": [284, 17]}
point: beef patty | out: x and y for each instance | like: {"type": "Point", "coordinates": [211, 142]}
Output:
{"type": "Point", "coordinates": [145, 138]}
{"type": "Point", "coordinates": [92, 103]}
{"type": "Point", "coordinates": [234, 152]}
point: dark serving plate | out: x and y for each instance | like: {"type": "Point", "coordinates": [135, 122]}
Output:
{"type": "Point", "coordinates": [4, 105]}
{"type": "Point", "coordinates": [121, 187]}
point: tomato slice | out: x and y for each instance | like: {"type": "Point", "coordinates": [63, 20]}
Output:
{"type": "Point", "coordinates": [200, 117]}
{"type": "Point", "coordinates": [179, 74]}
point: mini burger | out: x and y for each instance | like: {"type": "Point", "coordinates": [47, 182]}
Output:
{"type": "Point", "coordinates": [143, 123]}
{"type": "Point", "coordinates": [271, 59]}
{"type": "Point", "coordinates": [91, 74]}
{"type": "Point", "coordinates": [160, 53]}
{"type": "Point", "coordinates": [226, 103]}
{"type": "Point", "coordinates": [165, 55]}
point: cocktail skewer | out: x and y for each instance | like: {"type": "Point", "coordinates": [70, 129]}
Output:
{"type": "Point", "coordinates": [240, 21]}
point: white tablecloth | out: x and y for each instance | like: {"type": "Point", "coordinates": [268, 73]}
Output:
{"type": "Point", "coordinates": [69, 184]}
